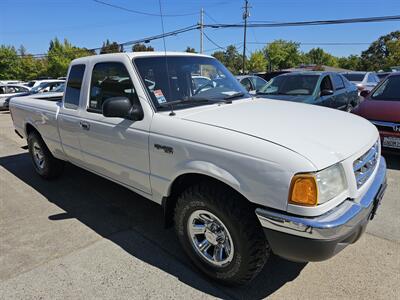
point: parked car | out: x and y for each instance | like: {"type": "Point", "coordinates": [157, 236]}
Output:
{"type": "Point", "coordinates": [43, 87]}
{"type": "Point", "coordinates": [363, 80]}
{"type": "Point", "coordinates": [320, 88]}
{"type": "Point", "coordinates": [199, 81]}
{"type": "Point", "coordinates": [383, 75]}
{"type": "Point", "coordinates": [10, 90]}
{"type": "Point", "coordinates": [37, 82]}
{"type": "Point", "coordinates": [239, 177]}
{"type": "Point", "coordinates": [251, 83]}
{"type": "Point", "coordinates": [55, 95]}
{"type": "Point", "coordinates": [382, 108]}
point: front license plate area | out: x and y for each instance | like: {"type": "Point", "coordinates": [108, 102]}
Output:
{"type": "Point", "coordinates": [391, 142]}
{"type": "Point", "coordinates": [377, 200]}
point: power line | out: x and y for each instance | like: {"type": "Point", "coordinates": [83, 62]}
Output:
{"type": "Point", "coordinates": [314, 44]}
{"type": "Point", "coordinates": [142, 12]}
{"type": "Point", "coordinates": [212, 42]}
{"type": "Point", "coordinates": [310, 23]}
{"type": "Point", "coordinates": [142, 40]}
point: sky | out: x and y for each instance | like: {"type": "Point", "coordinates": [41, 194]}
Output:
{"type": "Point", "coordinates": [86, 23]}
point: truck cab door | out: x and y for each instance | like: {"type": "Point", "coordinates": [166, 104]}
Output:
{"type": "Point", "coordinates": [69, 115]}
{"type": "Point", "coordinates": [115, 147]}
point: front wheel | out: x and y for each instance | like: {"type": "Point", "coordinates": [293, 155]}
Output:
{"type": "Point", "coordinates": [220, 233]}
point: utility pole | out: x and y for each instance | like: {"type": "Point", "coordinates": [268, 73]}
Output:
{"type": "Point", "coordinates": [246, 14]}
{"type": "Point", "coordinates": [201, 29]}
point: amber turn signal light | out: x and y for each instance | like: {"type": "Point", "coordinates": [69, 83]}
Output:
{"type": "Point", "coordinates": [304, 190]}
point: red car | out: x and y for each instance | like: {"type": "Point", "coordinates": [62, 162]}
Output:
{"type": "Point", "coordinates": [382, 108]}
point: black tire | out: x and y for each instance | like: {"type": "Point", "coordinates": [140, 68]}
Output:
{"type": "Point", "coordinates": [238, 216]}
{"type": "Point", "coordinates": [51, 167]}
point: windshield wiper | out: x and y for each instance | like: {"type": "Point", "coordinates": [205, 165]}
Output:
{"type": "Point", "coordinates": [233, 96]}
{"type": "Point", "coordinates": [191, 100]}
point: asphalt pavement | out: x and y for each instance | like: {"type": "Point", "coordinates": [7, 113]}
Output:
{"type": "Point", "coordinates": [84, 237]}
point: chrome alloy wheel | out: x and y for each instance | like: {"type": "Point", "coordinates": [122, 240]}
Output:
{"type": "Point", "coordinates": [210, 238]}
{"type": "Point", "coordinates": [38, 156]}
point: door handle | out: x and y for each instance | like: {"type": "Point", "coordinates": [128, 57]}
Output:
{"type": "Point", "coordinates": [84, 125]}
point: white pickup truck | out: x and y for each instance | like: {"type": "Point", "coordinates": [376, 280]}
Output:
{"type": "Point", "coordinates": [240, 177]}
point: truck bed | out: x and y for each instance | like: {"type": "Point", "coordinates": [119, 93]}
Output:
{"type": "Point", "coordinates": [40, 114]}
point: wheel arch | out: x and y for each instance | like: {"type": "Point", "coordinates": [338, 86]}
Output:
{"type": "Point", "coordinates": [185, 180]}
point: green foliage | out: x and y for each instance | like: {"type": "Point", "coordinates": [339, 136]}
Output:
{"type": "Point", "coordinates": [383, 53]}
{"type": "Point", "coordinates": [280, 54]}
{"type": "Point", "coordinates": [319, 57]}
{"type": "Point", "coordinates": [190, 50]}
{"type": "Point", "coordinates": [230, 58]}
{"type": "Point", "coordinates": [109, 47]}
{"type": "Point", "coordinates": [10, 67]}
{"type": "Point", "coordinates": [141, 47]}
{"type": "Point", "coordinates": [352, 62]}
{"type": "Point", "coordinates": [257, 62]}
{"type": "Point", "coordinates": [60, 55]}
{"type": "Point", "coordinates": [283, 54]}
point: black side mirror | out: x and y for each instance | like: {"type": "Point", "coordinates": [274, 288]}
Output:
{"type": "Point", "coordinates": [364, 93]}
{"type": "Point", "coordinates": [121, 107]}
{"type": "Point", "coordinates": [326, 93]}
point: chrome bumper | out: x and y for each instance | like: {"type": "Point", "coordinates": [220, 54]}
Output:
{"type": "Point", "coordinates": [337, 223]}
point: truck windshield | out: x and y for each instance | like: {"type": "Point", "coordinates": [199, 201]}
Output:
{"type": "Point", "coordinates": [177, 78]}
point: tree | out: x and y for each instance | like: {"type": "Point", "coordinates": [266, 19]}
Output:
{"type": "Point", "coordinates": [257, 62]}
{"type": "Point", "coordinates": [190, 50]}
{"type": "Point", "coordinates": [382, 53]}
{"type": "Point", "coordinates": [141, 47]}
{"type": "Point", "coordinates": [60, 55]}
{"type": "Point", "coordinates": [283, 54]}
{"type": "Point", "coordinates": [109, 47]}
{"type": "Point", "coordinates": [351, 62]}
{"type": "Point", "coordinates": [230, 58]}
{"type": "Point", "coordinates": [9, 63]}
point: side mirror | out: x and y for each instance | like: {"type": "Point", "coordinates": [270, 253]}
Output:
{"type": "Point", "coordinates": [326, 93]}
{"type": "Point", "coordinates": [364, 93]}
{"type": "Point", "coordinates": [121, 107]}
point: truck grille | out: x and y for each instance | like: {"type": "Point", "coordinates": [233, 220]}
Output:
{"type": "Point", "coordinates": [365, 165]}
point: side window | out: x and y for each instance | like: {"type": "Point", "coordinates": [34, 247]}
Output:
{"type": "Point", "coordinates": [371, 78]}
{"type": "Point", "coordinates": [337, 82]}
{"type": "Point", "coordinates": [74, 85]}
{"type": "Point", "coordinates": [258, 82]}
{"type": "Point", "coordinates": [247, 84]}
{"type": "Point", "coordinates": [110, 79]}
{"type": "Point", "coordinates": [326, 83]}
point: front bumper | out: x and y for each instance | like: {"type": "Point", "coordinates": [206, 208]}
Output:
{"type": "Point", "coordinates": [319, 238]}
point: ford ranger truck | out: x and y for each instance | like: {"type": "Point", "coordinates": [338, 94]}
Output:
{"type": "Point", "coordinates": [239, 177]}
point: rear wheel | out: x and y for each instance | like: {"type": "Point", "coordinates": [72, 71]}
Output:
{"type": "Point", "coordinates": [219, 232]}
{"type": "Point", "coordinates": [45, 164]}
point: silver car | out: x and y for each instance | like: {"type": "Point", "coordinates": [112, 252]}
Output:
{"type": "Point", "coordinates": [363, 80]}
{"type": "Point", "coordinates": [252, 83]}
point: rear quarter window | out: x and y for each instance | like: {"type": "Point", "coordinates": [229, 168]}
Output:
{"type": "Point", "coordinates": [74, 86]}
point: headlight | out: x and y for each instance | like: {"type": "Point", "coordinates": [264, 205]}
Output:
{"type": "Point", "coordinates": [317, 188]}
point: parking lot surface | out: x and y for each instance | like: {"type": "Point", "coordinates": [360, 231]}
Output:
{"type": "Point", "coordinates": [84, 237]}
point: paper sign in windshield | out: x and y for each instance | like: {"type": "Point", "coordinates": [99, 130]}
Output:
{"type": "Point", "coordinates": [159, 96]}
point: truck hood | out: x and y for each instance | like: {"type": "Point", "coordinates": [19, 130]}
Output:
{"type": "Point", "coordinates": [293, 98]}
{"type": "Point", "coordinates": [322, 135]}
